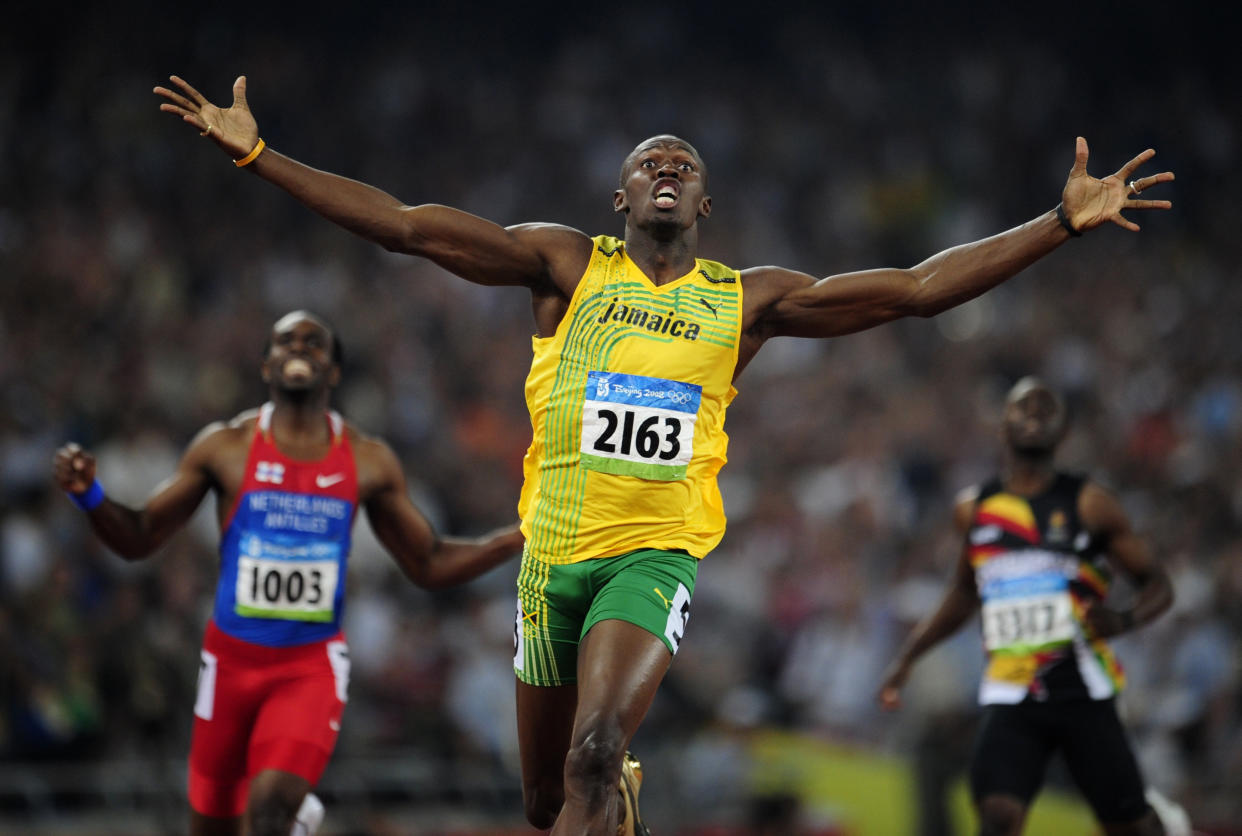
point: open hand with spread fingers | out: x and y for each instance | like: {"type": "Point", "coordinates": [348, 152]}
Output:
{"type": "Point", "coordinates": [234, 129]}
{"type": "Point", "coordinates": [1088, 202]}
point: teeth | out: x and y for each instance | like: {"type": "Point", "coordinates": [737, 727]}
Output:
{"type": "Point", "coordinates": [297, 367]}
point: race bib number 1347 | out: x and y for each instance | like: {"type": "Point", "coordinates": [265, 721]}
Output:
{"type": "Point", "coordinates": [639, 426]}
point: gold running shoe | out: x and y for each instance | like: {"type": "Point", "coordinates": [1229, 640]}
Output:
{"type": "Point", "coordinates": [631, 823]}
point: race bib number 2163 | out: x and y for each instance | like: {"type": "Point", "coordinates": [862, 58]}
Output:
{"type": "Point", "coordinates": [639, 426]}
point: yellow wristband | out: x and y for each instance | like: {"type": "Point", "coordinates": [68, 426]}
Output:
{"type": "Point", "coordinates": [254, 152]}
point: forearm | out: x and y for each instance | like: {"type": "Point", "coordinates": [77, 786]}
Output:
{"type": "Point", "coordinates": [1155, 595]}
{"type": "Point", "coordinates": [954, 611]}
{"type": "Point", "coordinates": [466, 245]}
{"type": "Point", "coordinates": [126, 531]}
{"type": "Point", "coordinates": [364, 210]}
{"type": "Point", "coordinates": [454, 561]}
{"type": "Point", "coordinates": [961, 273]}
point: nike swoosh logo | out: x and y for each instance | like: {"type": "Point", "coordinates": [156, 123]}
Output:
{"type": "Point", "coordinates": [328, 481]}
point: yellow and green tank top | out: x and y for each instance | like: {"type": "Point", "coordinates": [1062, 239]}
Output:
{"type": "Point", "coordinates": [1037, 569]}
{"type": "Point", "coordinates": [627, 405]}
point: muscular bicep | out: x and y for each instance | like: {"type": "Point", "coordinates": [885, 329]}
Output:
{"type": "Point", "coordinates": [175, 500]}
{"type": "Point", "coordinates": [398, 524]}
{"type": "Point", "coordinates": [171, 504]}
{"type": "Point", "coordinates": [963, 517]}
{"type": "Point", "coordinates": [1102, 514]}
{"type": "Point", "coordinates": [794, 304]}
{"type": "Point", "coordinates": [478, 250]}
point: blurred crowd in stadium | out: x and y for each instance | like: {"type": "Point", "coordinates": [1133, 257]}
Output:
{"type": "Point", "coordinates": [141, 273]}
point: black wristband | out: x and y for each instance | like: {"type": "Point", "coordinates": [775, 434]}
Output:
{"type": "Point", "coordinates": [1065, 221]}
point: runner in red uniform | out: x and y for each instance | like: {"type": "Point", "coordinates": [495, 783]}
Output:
{"type": "Point", "coordinates": [275, 666]}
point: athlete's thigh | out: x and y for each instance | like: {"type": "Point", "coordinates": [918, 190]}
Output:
{"type": "Point", "coordinates": [1098, 754]}
{"type": "Point", "coordinates": [649, 588]}
{"type": "Point", "coordinates": [228, 697]}
{"type": "Point", "coordinates": [633, 628]}
{"type": "Point", "coordinates": [620, 667]}
{"type": "Point", "coordinates": [1011, 753]}
{"type": "Point", "coordinates": [297, 726]}
{"type": "Point", "coordinates": [552, 601]}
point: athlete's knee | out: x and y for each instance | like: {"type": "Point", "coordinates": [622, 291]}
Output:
{"type": "Point", "coordinates": [269, 817]}
{"type": "Point", "coordinates": [271, 809]}
{"type": "Point", "coordinates": [594, 761]}
{"type": "Point", "coordinates": [1001, 815]}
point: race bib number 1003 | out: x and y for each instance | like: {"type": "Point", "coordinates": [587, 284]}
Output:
{"type": "Point", "coordinates": [639, 426]}
{"type": "Point", "coordinates": [296, 590]}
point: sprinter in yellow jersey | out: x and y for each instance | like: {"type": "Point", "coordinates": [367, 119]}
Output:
{"type": "Point", "coordinates": [639, 342]}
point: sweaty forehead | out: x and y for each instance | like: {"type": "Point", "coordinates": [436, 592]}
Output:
{"type": "Point", "coordinates": [291, 320]}
{"type": "Point", "coordinates": [664, 141]}
{"type": "Point", "coordinates": [1034, 393]}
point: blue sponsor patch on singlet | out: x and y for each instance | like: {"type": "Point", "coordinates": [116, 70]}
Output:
{"type": "Point", "coordinates": [283, 568]}
{"type": "Point", "coordinates": [639, 426]}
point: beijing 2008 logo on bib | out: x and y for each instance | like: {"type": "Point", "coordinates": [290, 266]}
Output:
{"type": "Point", "coordinates": [639, 426]}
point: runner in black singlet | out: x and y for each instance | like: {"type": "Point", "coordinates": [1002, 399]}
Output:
{"type": "Point", "coordinates": [1040, 547]}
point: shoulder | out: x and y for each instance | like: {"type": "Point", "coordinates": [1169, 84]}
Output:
{"type": "Point", "coordinates": [376, 461]}
{"type": "Point", "coordinates": [764, 290]}
{"type": "Point", "coordinates": [968, 496]}
{"type": "Point", "coordinates": [221, 445]}
{"type": "Point", "coordinates": [552, 239]}
{"type": "Point", "coordinates": [365, 444]}
{"type": "Point", "coordinates": [235, 431]}
{"type": "Point", "coordinates": [563, 250]}
{"type": "Point", "coordinates": [1099, 507]}
{"type": "Point", "coordinates": [1091, 486]}
{"type": "Point", "coordinates": [775, 279]}
{"type": "Point", "coordinates": [964, 505]}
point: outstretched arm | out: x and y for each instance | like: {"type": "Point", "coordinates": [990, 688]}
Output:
{"type": "Point", "coordinates": [475, 249]}
{"type": "Point", "coordinates": [134, 533]}
{"type": "Point", "coordinates": [960, 601]}
{"type": "Point", "coordinates": [1103, 516]}
{"type": "Point", "coordinates": [430, 561]}
{"type": "Point", "coordinates": [801, 306]}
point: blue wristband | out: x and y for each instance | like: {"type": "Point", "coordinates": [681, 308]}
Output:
{"type": "Point", "coordinates": [90, 500]}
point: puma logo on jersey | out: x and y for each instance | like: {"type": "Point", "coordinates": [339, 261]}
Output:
{"type": "Point", "coordinates": [270, 472]}
{"type": "Point", "coordinates": [710, 307]}
{"type": "Point", "coordinates": [328, 481]}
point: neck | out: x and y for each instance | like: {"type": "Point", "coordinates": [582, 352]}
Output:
{"type": "Point", "coordinates": [1027, 474]}
{"type": "Point", "coordinates": [300, 414]}
{"type": "Point", "coordinates": [665, 253]}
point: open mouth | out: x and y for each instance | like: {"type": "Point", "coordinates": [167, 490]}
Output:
{"type": "Point", "coordinates": [297, 367]}
{"type": "Point", "coordinates": [666, 194]}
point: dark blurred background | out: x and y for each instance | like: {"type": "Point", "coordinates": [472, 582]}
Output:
{"type": "Point", "coordinates": [140, 272]}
